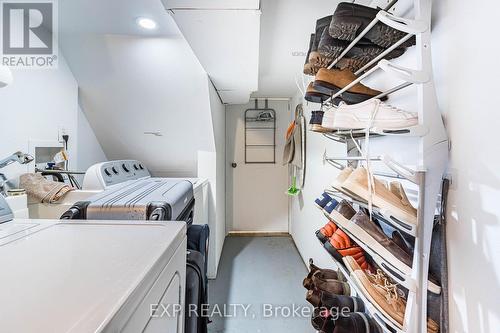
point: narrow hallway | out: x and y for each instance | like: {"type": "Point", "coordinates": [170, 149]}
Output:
{"type": "Point", "coordinates": [264, 302]}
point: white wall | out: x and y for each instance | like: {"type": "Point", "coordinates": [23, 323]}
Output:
{"type": "Point", "coordinates": [466, 92]}
{"type": "Point", "coordinates": [130, 85]}
{"type": "Point", "coordinates": [89, 149]}
{"type": "Point", "coordinates": [466, 80]}
{"type": "Point", "coordinates": [305, 217]}
{"type": "Point", "coordinates": [212, 165]}
{"type": "Point", "coordinates": [219, 128]}
{"type": "Point", "coordinates": [35, 106]}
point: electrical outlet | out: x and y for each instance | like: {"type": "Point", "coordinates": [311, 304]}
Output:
{"type": "Point", "coordinates": [60, 132]}
{"type": "Point", "coordinates": [452, 175]}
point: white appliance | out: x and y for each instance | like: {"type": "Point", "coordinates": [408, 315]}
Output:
{"type": "Point", "coordinates": [104, 175]}
{"type": "Point", "coordinates": [117, 173]}
{"type": "Point", "coordinates": [91, 276]}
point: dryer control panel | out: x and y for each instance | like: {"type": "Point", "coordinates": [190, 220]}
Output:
{"type": "Point", "coordinates": [103, 175]}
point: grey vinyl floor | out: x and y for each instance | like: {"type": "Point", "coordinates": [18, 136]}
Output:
{"type": "Point", "coordinates": [259, 288]}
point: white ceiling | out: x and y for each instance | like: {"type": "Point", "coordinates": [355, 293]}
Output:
{"type": "Point", "coordinates": [224, 35]}
{"type": "Point", "coordinates": [212, 4]}
{"type": "Point", "coordinates": [114, 17]}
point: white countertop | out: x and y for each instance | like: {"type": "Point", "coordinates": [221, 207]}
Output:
{"type": "Point", "coordinates": [74, 276]}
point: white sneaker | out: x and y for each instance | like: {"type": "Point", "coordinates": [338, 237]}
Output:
{"type": "Point", "coordinates": [369, 114]}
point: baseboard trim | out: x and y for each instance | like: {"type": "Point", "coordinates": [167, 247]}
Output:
{"type": "Point", "coordinates": [258, 234]}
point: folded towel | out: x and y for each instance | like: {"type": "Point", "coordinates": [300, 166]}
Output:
{"type": "Point", "coordinates": [42, 189]}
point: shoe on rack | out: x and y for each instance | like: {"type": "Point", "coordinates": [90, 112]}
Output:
{"type": "Point", "coordinates": [363, 56]}
{"type": "Point", "coordinates": [310, 69]}
{"type": "Point", "coordinates": [326, 232]}
{"type": "Point", "coordinates": [341, 178]}
{"type": "Point", "coordinates": [400, 241]}
{"type": "Point", "coordinates": [335, 303]}
{"type": "Point", "coordinates": [321, 25]}
{"type": "Point", "coordinates": [330, 207]}
{"type": "Point", "coordinates": [383, 294]}
{"type": "Point", "coordinates": [370, 114]}
{"type": "Point", "coordinates": [322, 321]}
{"type": "Point", "coordinates": [314, 96]}
{"type": "Point", "coordinates": [381, 196]}
{"type": "Point", "coordinates": [367, 232]}
{"type": "Point", "coordinates": [380, 291]}
{"type": "Point", "coordinates": [356, 322]}
{"type": "Point", "coordinates": [322, 200]}
{"type": "Point", "coordinates": [340, 244]}
{"type": "Point", "coordinates": [397, 189]}
{"type": "Point", "coordinates": [331, 81]}
{"type": "Point", "coordinates": [350, 19]}
{"type": "Point", "coordinates": [343, 210]}
{"type": "Point", "coordinates": [357, 57]}
{"type": "Point", "coordinates": [316, 121]}
{"type": "Point", "coordinates": [324, 274]}
{"type": "Point", "coordinates": [323, 281]}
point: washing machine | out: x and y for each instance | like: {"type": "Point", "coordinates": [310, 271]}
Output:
{"type": "Point", "coordinates": [91, 276]}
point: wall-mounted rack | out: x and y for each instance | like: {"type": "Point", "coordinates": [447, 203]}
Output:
{"type": "Point", "coordinates": [432, 159]}
{"type": "Point", "coordinates": [260, 135]}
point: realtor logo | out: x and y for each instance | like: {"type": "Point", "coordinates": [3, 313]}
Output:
{"type": "Point", "coordinates": [29, 33]}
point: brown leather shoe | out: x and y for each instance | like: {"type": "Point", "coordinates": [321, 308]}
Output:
{"type": "Point", "coordinates": [344, 211]}
{"type": "Point", "coordinates": [314, 96]}
{"type": "Point", "coordinates": [370, 234]}
{"type": "Point", "coordinates": [333, 286]}
{"type": "Point", "coordinates": [331, 81]}
{"type": "Point", "coordinates": [362, 228]}
{"type": "Point", "coordinates": [328, 274]}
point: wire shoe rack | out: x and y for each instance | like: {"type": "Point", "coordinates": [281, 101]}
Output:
{"type": "Point", "coordinates": [428, 177]}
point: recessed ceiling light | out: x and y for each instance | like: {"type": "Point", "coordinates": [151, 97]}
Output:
{"type": "Point", "coordinates": [146, 23]}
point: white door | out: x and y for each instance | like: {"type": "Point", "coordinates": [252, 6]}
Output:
{"type": "Point", "coordinates": [256, 199]}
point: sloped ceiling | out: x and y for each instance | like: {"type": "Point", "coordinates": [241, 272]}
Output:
{"type": "Point", "coordinates": [133, 81]}
{"type": "Point", "coordinates": [224, 35]}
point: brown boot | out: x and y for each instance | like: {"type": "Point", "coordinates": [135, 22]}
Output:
{"type": "Point", "coordinates": [314, 96]}
{"type": "Point", "coordinates": [310, 69]}
{"type": "Point", "coordinates": [332, 286]}
{"type": "Point", "coordinates": [331, 81]}
{"type": "Point", "coordinates": [325, 274]}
